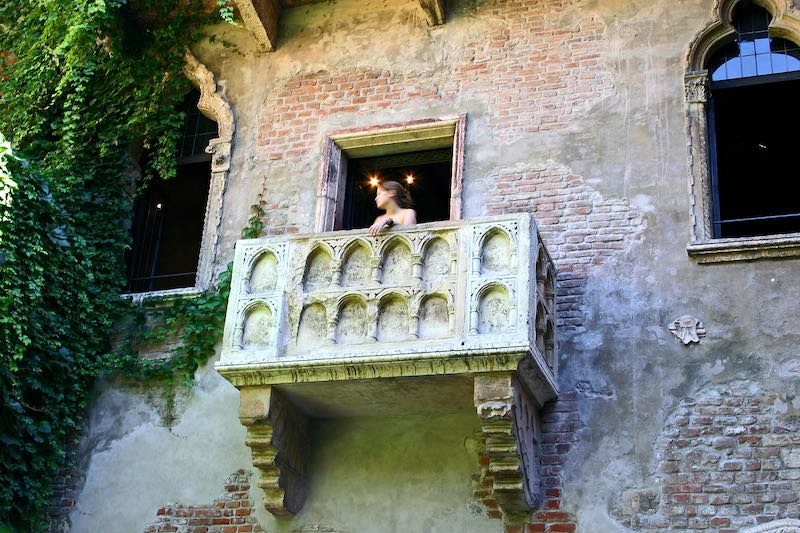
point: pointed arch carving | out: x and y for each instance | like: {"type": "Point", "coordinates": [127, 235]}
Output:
{"type": "Point", "coordinates": [717, 33]}
{"type": "Point", "coordinates": [214, 106]}
{"type": "Point", "coordinates": [720, 30]}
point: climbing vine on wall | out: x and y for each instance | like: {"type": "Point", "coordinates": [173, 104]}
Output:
{"type": "Point", "coordinates": [86, 86]}
{"type": "Point", "coordinates": [183, 330]}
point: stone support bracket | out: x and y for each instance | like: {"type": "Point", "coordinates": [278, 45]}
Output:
{"type": "Point", "coordinates": [434, 11]}
{"type": "Point", "coordinates": [260, 17]}
{"type": "Point", "coordinates": [278, 436]}
{"type": "Point", "coordinates": [508, 426]}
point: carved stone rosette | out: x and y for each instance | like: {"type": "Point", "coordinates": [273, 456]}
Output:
{"type": "Point", "coordinates": [688, 329]}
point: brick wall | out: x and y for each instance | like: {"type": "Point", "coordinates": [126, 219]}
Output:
{"type": "Point", "coordinates": [66, 485]}
{"type": "Point", "coordinates": [530, 70]}
{"type": "Point", "coordinates": [580, 227]}
{"type": "Point", "coordinates": [533, 73]}
{"type": "Point", "coordinates": [728, 459]}
{"type": "Point", "coordinates": [233, 512]}
{"type": "Point", "coordinates": [560, 425]}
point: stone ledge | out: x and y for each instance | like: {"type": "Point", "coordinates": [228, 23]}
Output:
{"type": "Point", "coordinates": [167, 295]}
{"type": "Point", "coordinates": [379, 367]}
{"type": "Point", "coordinates": [745, 248]}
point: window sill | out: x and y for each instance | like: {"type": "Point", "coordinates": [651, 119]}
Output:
{"type": "Point", "coordinates": [152, 297]}
{"type": "Point", "coordinates": [745, 248]}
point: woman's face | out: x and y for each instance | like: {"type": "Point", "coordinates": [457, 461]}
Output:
{"type": "Point", "coordinates": [382, 197]}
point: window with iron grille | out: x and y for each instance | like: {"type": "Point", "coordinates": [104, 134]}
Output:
{"type": "Point", "coordinates": [169, 214]}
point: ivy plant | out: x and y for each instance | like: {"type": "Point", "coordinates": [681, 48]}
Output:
{"type": "Point", "coordinates": [86, 86]}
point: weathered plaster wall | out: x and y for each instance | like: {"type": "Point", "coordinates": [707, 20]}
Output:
{"type": "Point", "coordinates": [575, 113]}
{"type": "Point", "coordinates": [391, 474]}
{"type": "Point", "coordinates": [141, 459]}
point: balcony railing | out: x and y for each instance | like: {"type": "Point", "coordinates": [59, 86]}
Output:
{"type": "Point", "coordinates": [437, 298]}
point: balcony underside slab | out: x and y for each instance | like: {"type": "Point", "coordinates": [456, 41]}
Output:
{"type": "Point", "coordinates": [423, 395]}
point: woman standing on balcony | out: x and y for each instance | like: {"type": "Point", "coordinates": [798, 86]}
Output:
{"type": "Point", "coordinates": [396, 201]}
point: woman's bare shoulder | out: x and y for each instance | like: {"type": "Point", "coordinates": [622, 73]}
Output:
{"type": "Point", "coordinates": [409, 216]}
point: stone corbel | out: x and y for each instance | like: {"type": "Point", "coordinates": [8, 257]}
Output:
{"type": "Point", "coordinates": [278, 436]}
{"type": "Point", "coordinates": [508, 427]}
{"type": "Point", "coordinates": [434, 11]}
{"type": "Point", "coordinates": [260, 17]}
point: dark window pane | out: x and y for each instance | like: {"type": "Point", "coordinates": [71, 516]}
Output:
{"type": "Point", "coordinates": [197, 129]}
{"type": "Point", "coordinates": [755, 159]}
{"type": "Point", "coordinates": [168, 218]}
{"type": "Point", "coordinates": [167, 229]}
{"type": "Point", "coordinates": [430, 187]}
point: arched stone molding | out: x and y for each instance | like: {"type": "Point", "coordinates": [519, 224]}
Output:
{"type": "Point", "coordinates": [320, 269]}
{"type": "Point", "coordinates": [716, 34]}
{"type": "Point", "coordinates": [507, 316]}
{"type": "Point", "coordinates": [215, 107]}
{"type": "Point", "coordinates": [358, 264]}
{"type": "Point", "coordinates": [243, 316]}
{"type": "Point", "coordinates": [787, 525]}
{"type": "Point", "coordinates": [392, 240]}
{"type": "Point", "coordinates": [483, 241]}
{"type": "Point", "coordinates": [720, 31]}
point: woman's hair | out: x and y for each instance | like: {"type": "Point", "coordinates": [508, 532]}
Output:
{"type": "Point", "coordinates": [401, 194]}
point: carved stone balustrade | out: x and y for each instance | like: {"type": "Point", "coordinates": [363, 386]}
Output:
{"type": "Point", "coordinates": [436, 317]}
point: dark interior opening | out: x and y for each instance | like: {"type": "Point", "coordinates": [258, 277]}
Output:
{"type": "Point", "coordinates": [168, 229]}
{"type": "Point", "coordinates": [756, 164]}
{"type": "Point", "coordinates": [430, 172]}
{"type": "Point", "coordinates": [168, 216]}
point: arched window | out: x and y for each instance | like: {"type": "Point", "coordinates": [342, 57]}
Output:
{"type": "Point", "coordinates": [753, 111]}
{"type": "Point", "coordinates": [168, 217]}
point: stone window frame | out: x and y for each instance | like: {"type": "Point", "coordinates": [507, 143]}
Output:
{"type": "Point", "coordinates": [703, 247]}
{"type": "Point", "coordinates": [374, 141]}
{"type": "Point", "coordinates": [215, 107]}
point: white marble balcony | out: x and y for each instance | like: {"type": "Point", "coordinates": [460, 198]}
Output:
{"type": "Point", "coordinates": [432, 318]}
{"type": "Point", "coordinates": [431, 299]}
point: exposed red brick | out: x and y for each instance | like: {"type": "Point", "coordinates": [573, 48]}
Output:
{"type": "Point", "coordinates": [719, 483]}
{"type": "Point", "coordinates": [224, 515]}
{"type": "Point", "coordinates": [561, 528]}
